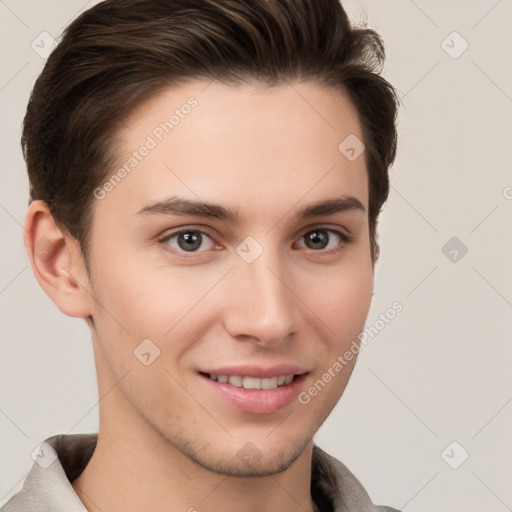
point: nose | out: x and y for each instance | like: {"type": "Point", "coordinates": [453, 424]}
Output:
{"type": "Point", "coordinates": [261, 306]}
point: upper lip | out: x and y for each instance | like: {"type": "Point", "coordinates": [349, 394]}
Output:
{"type": "Point", "coordinates": [259, 372]}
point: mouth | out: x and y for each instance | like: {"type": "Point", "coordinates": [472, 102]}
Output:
{"type": "Point", "coordinates": [251, 394]}
{"type": "Point", "coordinates": [247, 382]}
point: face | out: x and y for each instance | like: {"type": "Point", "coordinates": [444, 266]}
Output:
{"type": "Point", "coordinates": [247, 290]}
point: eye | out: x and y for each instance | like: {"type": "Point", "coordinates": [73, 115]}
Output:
{"type": "Point", "coordinates": [320, 239]}
{"type": "Point", "coordinates": [188, 240]}
{"type": "Point", "coordinates": [194, 241]}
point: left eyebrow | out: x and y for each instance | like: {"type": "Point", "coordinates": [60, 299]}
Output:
{"type": "Point", "coordinates": [330, 207]}
{"type": "Point", "coordinates": [193, 208]}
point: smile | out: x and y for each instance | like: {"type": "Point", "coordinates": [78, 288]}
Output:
{"type": "Point", "coordinates": [253, 382]}
{"type": "Point", "coordinates": [256, 395]}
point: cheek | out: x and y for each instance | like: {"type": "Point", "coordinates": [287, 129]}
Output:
{"type": "Point", "coordinates": [155, 301]}
{"type": "Point", "coordinates": [342, 304]}
{"type": "Point", "coordinates": [340, 297]}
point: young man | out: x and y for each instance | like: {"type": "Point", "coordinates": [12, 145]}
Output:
{"type": "Point", "coordinates": [206, 178]}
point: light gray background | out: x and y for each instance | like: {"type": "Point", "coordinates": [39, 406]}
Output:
{"type": "Point", "coordinates": [439, 372]}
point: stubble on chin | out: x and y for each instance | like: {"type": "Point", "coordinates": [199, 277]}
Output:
{"type": "Point", "coordinates": [248, 461]}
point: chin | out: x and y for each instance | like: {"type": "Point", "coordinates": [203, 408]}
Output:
{"type": "Point", "coordinates": [248, 461]}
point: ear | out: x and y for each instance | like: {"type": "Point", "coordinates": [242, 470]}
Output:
{"type": "Point", "coordinates": [57, 262]}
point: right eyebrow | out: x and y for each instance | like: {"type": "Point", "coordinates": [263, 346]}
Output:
{"type": "Point", "coordinates": [192, 208]}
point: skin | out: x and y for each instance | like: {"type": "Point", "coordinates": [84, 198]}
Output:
{"type": "Point", "coordinates": [165, 441]}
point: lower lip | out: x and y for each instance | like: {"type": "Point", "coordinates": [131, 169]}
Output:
{"type": "Point", "coordinates": [256, 401]}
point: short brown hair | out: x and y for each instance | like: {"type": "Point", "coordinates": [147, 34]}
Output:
{"type": "Point", "coordinates": [119, 53]}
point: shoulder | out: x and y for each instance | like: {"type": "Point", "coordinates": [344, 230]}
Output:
{"type": "Point", "coordinates": [335, 488]}
{"type": "Point", "coordinates": [47, 486]}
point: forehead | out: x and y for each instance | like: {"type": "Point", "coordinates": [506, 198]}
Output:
{"type": "Point", "coordinates": [246, 146]}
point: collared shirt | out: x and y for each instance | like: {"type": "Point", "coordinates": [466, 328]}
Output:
{"type": "Point", "coordinates": [62, 458]}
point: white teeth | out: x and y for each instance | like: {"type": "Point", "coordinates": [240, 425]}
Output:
{"type": "Point", "coordinates": [269, 383]}
{"type": "Point", "coordinates": [253, 382]}
{"type": "Point", "coordinates": [236, 380]}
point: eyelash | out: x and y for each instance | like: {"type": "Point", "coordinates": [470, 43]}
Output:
{"type": "Point", "coordinates": [345, 240]}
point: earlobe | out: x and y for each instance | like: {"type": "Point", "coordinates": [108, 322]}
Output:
{"type": "Point", "coordinates": [56, 262]}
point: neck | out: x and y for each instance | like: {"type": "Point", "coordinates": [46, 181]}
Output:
{"type": "Point", "coordinates": [127, 476]}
